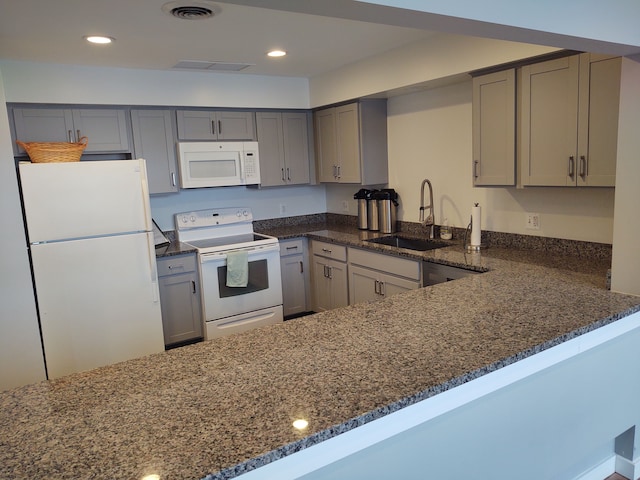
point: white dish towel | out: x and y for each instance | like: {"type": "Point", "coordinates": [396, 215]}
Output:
{"type": "Point", "coordinates": [237, 269]}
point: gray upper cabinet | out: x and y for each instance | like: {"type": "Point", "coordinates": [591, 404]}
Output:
{"type": "Point", "coordinates": [598, 120]}
{"type": "Point", "coordinates": [284, 148]}
{"type": "Point", "coordinates": [216, 125]}
{"type": "Point", "coordinates": [351, 143]}
{"type": "Point", "coordinates": [153, 140]}
{"type": "Point", "coordinates": [569, 118]}
{"type": "Point", "coordinates": [105, 129]}
{"type": "Point", "coordinates": [494, 129]}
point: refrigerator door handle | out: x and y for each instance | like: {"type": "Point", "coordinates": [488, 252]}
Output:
{"type": "Point", "coordinates": [153, 267]}
{"type": "Point", "coordinates": [145, 195]}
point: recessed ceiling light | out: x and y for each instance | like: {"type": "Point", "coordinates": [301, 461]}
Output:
{"type": "Point", "coordinates": [98, 39]}
{"type": "Point", "coordinates": [276, 53]}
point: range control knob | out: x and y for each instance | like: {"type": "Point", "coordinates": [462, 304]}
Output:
{"type": "Point", "coordinates": [193, 218]}
{"type": "Point", "coordinates": [184, 219]}
{"type": "Point", "coordinates": [238, 214]}
{"type": "Point", "coordinates": [245, 213]}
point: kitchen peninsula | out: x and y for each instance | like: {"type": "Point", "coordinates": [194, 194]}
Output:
{"type": "Point", "coordinates": [222, 407]}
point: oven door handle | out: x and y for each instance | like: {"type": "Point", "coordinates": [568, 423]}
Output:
{"type": "Point", "coordinates": [213, 256]}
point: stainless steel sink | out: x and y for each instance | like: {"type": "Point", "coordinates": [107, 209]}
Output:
{"type": "Point", "coordinates": [409, 243]}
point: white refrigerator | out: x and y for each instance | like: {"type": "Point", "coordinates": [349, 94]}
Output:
{"type": "Point", "coordinates": [93, 259]}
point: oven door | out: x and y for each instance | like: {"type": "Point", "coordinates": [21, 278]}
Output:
{"type": "Point", "coordinates": [263, 290]}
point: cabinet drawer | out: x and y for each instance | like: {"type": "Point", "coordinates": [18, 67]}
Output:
{"type": "Point", "coordinates": [291, 247]}
{"type": "Point", "coordinates": [385, 263]}
{"type": "Point", "coordinates": [176, 264]}
{"type": "Point", "coordinates": [329, 250]}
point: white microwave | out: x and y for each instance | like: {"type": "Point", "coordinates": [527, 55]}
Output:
{"type": "Point", "coordinates": [218, 164]}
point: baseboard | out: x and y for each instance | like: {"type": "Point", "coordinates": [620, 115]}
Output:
{"type": "Point", "coordinates": [601, 471]}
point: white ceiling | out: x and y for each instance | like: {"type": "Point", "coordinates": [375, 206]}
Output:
{"type": "Point", "coordinates": [148, 38]}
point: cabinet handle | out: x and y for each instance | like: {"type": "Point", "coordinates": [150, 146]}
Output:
{"type": "Point", "coordinates": [382, 288]}
{"type": "Point", "coordinates": [193, 286]}
{"type": "Point", "coordinates": [326, 250]}
{"type": "Point", "coordinates": [335, 171]}
{"type": "Point", "coordinates": [213, 127]}
{"type": "Point", "coordinates": [301, 267]}
{"type": "Point", "coordinates": [288, 174]}
{"type": "Point", "coordinates": [173, 179]}
{"type": "Point", "coordinates": [78, 135]}
{"type": "Point", "coordinates": [219, 127]}
{"type": "Point", "coordinates": [376, 287]}
{"type": "Point", "coordinates": [475, 169]}
{"type": "Point", "coordinates": [282, 174]}
{"type": "Point", "coordinates": [572, 166]}
{"type": "Point", "coordinates": [69, 135]}
{"type": "Point", "coordinates": [326, 275]}
{"type": "Point", "coordinates": [292, 248]}
{"type": "Point", "coordinates": [330, 272]}
{"type": "Point", "coordinates": [583, 166]}
{"type": "Point", "coordinates": [338, 171]}
{"type": "Point", "coordinates": [178, 265]}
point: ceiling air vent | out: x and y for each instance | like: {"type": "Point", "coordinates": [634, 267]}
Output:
{"type": "Point", "coordinates": [191, 9]}
{"type": "Point", "coordinates": [212, 66]}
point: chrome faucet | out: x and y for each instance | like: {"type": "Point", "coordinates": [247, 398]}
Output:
{"type": "Point", "coordinates": [429, 221]}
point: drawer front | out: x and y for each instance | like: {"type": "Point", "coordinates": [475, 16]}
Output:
{"type": "Point", "coordinates": [329, 250]}
{"type": "Point", "coordinates": [291, 247]}
{"type": "Point", "coordinates": [176, 264]}
{"type": "Point", "coordinates": [393, 265]}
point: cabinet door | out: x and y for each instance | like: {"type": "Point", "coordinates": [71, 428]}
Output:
{"type": "Point", "coordinates": [153, 140]}
{"type": "Point", "coordinates": [296, 147]}
{"type": "Point", "coordinates": [348, 141]}
{"type": "Point", "coordinates": [598, 124]}
{"type": "Point", "coordinates": [339, 284]}
{"type": "Point", "coordinates": [270, 138]}
{"type": "Point", "coordinates": [106, 130]}
{"type": "Point", "coordinates": [494, 129]}
{"type": "Point", "coordinates": [42, 125]}
{"type": "Point", "coordinates": [196, 125]}
{"type": "Point", "coordinates": [180, 303]}
{"type": "Point", "coordinates": [549, 122]}
{"type": "Point", "coordinates": [236, 125]}
{"type": "Point", "coordinates": [392, 285]}
{"type": "Point", "coordinates": [326, 145]}
{"type": "Point", "coordinates": [321, 285]}
{"type": "Point", "coordinates": [293, 284]}
{"type": "Point", "coordinates": [363, 285]}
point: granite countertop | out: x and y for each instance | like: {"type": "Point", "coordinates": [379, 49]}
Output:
{"type": "Point", "coordinates": [221, 407]}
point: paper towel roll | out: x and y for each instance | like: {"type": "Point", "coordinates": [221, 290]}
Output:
{"type": "Point", "coordinates": [475, 226]}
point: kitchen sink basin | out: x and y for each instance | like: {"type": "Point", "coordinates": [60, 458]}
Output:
{"type": "Point", "coordinates": [409, 243]}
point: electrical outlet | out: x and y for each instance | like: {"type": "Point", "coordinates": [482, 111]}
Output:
{"type": "Point", "coordinates": [283, 209]}
{"type": "Point", "coordinates": [533, 221]}
{"type": "Point", "coordinates": [345, 206]}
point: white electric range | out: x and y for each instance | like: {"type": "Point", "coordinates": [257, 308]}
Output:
{"type": "Point", "coordinates": [215, 233]}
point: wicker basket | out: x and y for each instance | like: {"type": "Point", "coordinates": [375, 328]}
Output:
{"type": "Point", "coordinates": [50, 152]}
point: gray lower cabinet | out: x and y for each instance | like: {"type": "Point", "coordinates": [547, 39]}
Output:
{"type": "Point", "coordinates": [295, 273]}
{"type": "Point", "coordinates": [374, 276]}
{"type": "Point", "coordinates": [154, 140]}
{"type": "Point", "coordinates": [105, 128]}
{"type": "Point", "coordinates": [329, 270]}
{"type": "Point", "coordinates": [216, 125]}
{"type": "Point", "coordinates": [180, 298]}
{"type": "Point", "coordinates": [284, 148]}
